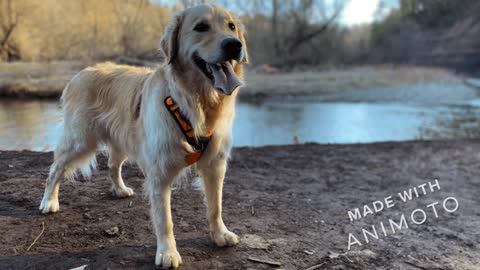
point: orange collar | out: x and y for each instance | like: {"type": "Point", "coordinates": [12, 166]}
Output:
{"type": "Point", "coordinates": [198, 143]}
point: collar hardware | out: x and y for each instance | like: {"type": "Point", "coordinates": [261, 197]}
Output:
{"type": "Point", "coordinates": [198, 143]}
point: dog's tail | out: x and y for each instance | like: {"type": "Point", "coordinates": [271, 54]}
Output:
{"type": "Point", "coordinates": [78, 149]}
{"type": "Point", "coordinates": [73, 165]}
{"type": "Point", "coordinates": [88, 166]}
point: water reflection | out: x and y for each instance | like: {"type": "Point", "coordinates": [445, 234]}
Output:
{"type": "Point", "coordinates": [277, 123]}
{"type": "Point", "coordinates": [460, 123]}
{"type": "Point", "coordinates": [33, 125]}
{"type": "Point", "coordinates": [36, 125]}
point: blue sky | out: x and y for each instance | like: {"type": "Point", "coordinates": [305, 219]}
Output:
{"type": "Point", "coordinates": [363, 11]}
{"type": "Point", "coordinates": [355, 12]}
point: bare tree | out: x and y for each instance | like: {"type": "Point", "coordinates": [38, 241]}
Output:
{"type": "Point", "coordinates": [305, 31]}
{"type": "Point", "coordinates": [128, 15]}
{"type": "Point", "coordinates": [276, 40]}
{"type": "Point", "coordinates": [10, 17]}
{"type": "Point", "coordinates": [295, 23]}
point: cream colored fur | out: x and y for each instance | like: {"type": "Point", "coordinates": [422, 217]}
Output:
{"type": "Point", "coordinates": [101, 108]}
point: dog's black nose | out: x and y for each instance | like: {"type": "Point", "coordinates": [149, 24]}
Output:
{"type": "Point", "coordinates": [232, 48]}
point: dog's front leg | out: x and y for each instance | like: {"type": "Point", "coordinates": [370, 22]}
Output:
{"type": "Point", "coordinates": [213, 176]}
{"type": "Point", "coordinates": [159, 191]}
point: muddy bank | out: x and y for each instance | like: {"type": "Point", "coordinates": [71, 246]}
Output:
{"type": "Point", "coordinates": [289, 204]}
{"type": "Point", "coordinates": [33, 80]}
{"type": "Point", "coordinates": [32, 90]}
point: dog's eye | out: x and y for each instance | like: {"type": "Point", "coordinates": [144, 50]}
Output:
{"type": "Point", "coordinates": [231, 26]}
{"type": "Point", "coordinates": [201, 27]}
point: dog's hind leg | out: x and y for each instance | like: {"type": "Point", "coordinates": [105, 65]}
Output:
{"type": "Point", "coordinates": [66, 161]}
{"type": "Point", "coordinates": [115, 161]}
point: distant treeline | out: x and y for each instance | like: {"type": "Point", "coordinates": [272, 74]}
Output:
{"type": "Point", "coordinates": [430, 32]}
{"type": "Point", "coordinates": [279, 31]}
{"type": "Point", "coordinates": [282, 33]}
{"type": "Point", "coordinates": [32, 30]}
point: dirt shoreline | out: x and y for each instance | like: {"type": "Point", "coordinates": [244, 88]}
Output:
{"type": "Point", "coordinates": [289, 204]}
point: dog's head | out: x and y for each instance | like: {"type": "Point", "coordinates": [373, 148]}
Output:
{"type": "Point", "coordinates": [210, 41]}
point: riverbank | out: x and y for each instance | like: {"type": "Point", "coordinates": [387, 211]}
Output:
{"type": "Point", "coordinates": [314, 83]}
{"type": "Point", "coordinates": [289, 204]}
{"type": "Point", "coordinates": [47, 80]}
{"type": "Point", "coordinates": [36, 79]}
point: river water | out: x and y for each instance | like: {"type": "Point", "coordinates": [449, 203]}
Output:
{"type": "Point", "coordinates": [424, 111]}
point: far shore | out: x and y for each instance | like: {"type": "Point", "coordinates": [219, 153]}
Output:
{"type": "Point", "coordinates": [46, 80]}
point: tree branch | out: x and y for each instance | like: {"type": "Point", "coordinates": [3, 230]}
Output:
{"type": "Point", "coordinates": [7, 35]}
{"type": "Point", "coordinates": [300, 40]}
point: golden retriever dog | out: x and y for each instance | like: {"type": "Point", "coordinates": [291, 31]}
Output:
{"type": "Point", "coordinates": [158, 118]}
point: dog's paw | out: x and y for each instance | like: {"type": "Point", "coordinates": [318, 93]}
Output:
{"type": "Point", "coordinates": [49, 206]}
{"type": "Point", "coordinates": [123, 192]}
{"type": "Point", "coordinates": [224, 238]}
{"type": "Point", "coordinates": [168, 259]}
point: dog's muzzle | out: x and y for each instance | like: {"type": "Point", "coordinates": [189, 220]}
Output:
{"type": "Point", "coordinates": [222, 73]}
{"type": "Point", "coordinates": [232, 49]}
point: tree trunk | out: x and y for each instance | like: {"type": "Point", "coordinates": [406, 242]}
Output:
{"type": "Point", "coordinates": [276, 43]}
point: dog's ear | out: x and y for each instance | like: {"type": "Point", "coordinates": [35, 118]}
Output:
{"type": "Point", "coordinates": [169, 43]}
{"type": "Point", "coordinates": [244, 43]}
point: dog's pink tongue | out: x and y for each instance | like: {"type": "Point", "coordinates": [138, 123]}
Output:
{"type": "Point", "coordinates": [226, 80]}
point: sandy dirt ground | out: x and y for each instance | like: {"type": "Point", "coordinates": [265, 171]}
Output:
{"type": "Point", "coordinates": [288, 203]}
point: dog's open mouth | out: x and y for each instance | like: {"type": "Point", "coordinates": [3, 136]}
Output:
{"type": "Point", "coordinates": [222, 75]}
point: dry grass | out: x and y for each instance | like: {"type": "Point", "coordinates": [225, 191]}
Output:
{"type": "Point", "coordinates": [320, 82]}
{"type": "Point", "coordinates": [37, 79]}
{"type": "Point", "coordinates": [35, 70]}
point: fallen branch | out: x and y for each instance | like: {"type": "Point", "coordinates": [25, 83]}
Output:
{"type": "Point", "coordinates": [315, 266]}
{"type": "Point", "coordinates": [38, 237]}
{"type": "Point", "coordinates": [308, 252]}
{"type": "Point", "coordinates": [253, 259]}
{"type": "Point", "coordinates": [80, 267]}
{"type": "Point", "coordinates": [415, 265]}
{"type": "Point", "coordinates": [334, 255]}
